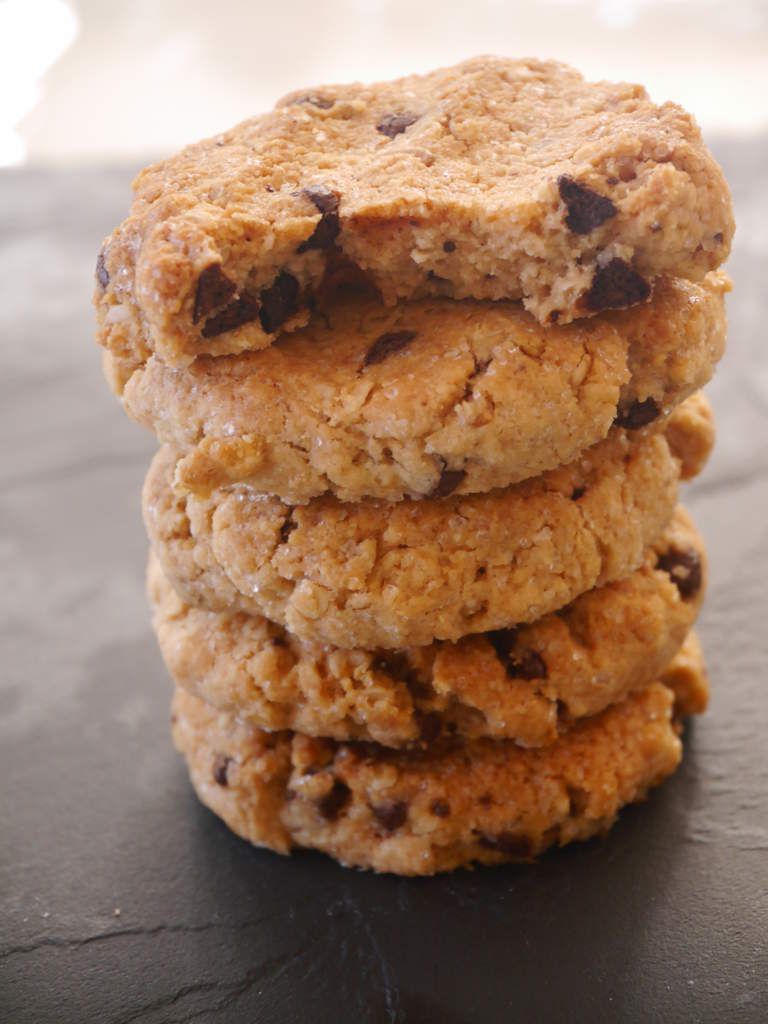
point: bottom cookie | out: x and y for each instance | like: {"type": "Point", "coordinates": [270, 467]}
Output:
{"type": "Point", "coordinates": [419, 812]}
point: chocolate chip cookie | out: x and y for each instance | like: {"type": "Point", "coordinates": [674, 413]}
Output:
{"type": "Point", "coordinates": [418, 812]}
{"type": "Point", "coordinates": [525, 684]}
{"type": "Point", "coordinates": [376, 574]}
{"type": "Point", "coordinates": [426, 397]}
{"type": "Point", "coordinates": [493, 179]}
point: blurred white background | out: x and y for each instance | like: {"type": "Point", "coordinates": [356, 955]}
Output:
{"type": "Point", "coordinates": [117, 80]}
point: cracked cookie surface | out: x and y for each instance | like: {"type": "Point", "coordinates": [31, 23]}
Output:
{"type": "Point", "coordinates": [391, 575]}
{"type": "Point", "coordinates": [524, 684]}
{"type": "Point", "coordinates": [493, 179]}
{"type": "Point", "coordinates": [418, 812]}
{"type": "Point", "coordinates": [371, 401]}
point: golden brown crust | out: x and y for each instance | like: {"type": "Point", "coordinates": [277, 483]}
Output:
{"type": "Point", "coordinates": [477, 392]}
{"type": "Point", "coordinates": [421, 812]}
{"type": "Point", "coordinates": [524, 684]}
{"type": "Point", "coordinates": [492, 179]}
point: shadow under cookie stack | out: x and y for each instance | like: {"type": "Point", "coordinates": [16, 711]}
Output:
{"type": "Point", "coordinates": [425, 361]}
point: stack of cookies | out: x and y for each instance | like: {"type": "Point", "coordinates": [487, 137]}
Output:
{"type": "Point", "coordinates": [424, 358]}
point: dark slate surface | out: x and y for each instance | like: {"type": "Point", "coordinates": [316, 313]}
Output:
{"type": "Point", "coordinates": [122, 900]}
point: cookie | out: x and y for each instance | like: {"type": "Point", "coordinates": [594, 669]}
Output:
{"type": "Point", "coordinates": [493, 179]}
{"type": "Point", "coordinates": [418, 812]}
{"type": "Point", "coordinates": [376, 574]}
{"type": "Point", "coordinates": [371, 401]}
{"type": "Point", "coordinates": [524, 684]}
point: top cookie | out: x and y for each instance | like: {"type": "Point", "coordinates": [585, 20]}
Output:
{"type": "Point", "coordinates": [492, 179]}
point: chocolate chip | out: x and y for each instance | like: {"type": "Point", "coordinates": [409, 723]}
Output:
{"type": "Point", "coordinates": [102, 274]}
{"type": "Point", "coordinates": [587, 209]}
{"type": "Point", "coordinates": [333, 803]}
{"type": "Point", "coordinates": [440, 808]}
{"type": "Point", "coordinates": [387, 345]}
{"type": "Point", "coordinates": [615, 286]}
{"type": "Point", "coordinates": [242, 311]}
{"type": "Point", "coordinates": [390, 815]}
{"type": "Point", "coordinates": [509, 844]}
{"type": "Point", "coordinates": [393, 124]}
{"type": "Point", "coordinates": [221, 765]}
{"type": "Point", "coordinates": [328, 227]}
{"type": "Point", "coordinates": [214, 289]}
{"type": "Point", "coordinates": [449, 246]}
{"type": "Point", "coordinates": [638, 414]}
{"type": "Point", "coordinates": [430, 727]}
{"type": "Point", "coordinates": [530, 665]}
{"type": "Point", "coordinates": [718, 237]}
{"type": "Point", "coordinates": [503, 641]}
{"type": "Point", "coordinates": [578, 492]}
{"type": "Point", "coordinates": [684, 569]}
{"type": "Point", "coordinates": [289, 525]}
{"type": "Point", "coordinates": [554, 316]}
{"type": "Point", "coordinates": [323, 102]}
{"type": "Point", "coordinates": [279, 302]}
{"type": "Point", "coordinates": [526, 664]}
{"type": "Point", "coordinates": [449, 480]}
{"type": "Point", "coordinates": [325, 199]}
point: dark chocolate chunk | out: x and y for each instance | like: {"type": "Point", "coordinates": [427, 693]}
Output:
{"type": "Point", "coordinates": [326, 200]}
{"type": "Point", "coordinates": [430, 727]}
{"type": "Point", "coordinates": [242, 311]}
{"type": "Point", "coordinates": [578, 492]}
{"type": "Point", "coordinates": [509, 844]}
{"type": "Point", "coordinates": [335, 800]}
{"type": "Point", "coordinates": [503, 642]}
{"type": "Point", "coordinates": [587, 209]}
{"type": "Point", "coordinates": [718, 237]}
{"type": "Point", "coordinates": [440, 808]}
{"type": "Point", "coordinates": [638, 414]}
{"type": "Point", "coordinates": [449, 480]}
{"type": "Point", "coordinates": [393, 124]}
{"type": "Point", "coordinates": [102, 274]}
{"type": "Point", "coordinates": [615, 286]}
{"type": "Point", "coordinates": [396, 665]}
{"type": "Point", "coordinates": [328, 227]}
{"type": "Point", "coordinates": [279, 302]}
{"type": "Point", "coordinates": [529, 665]}
{"type": "Point", "coordinates": [289, 525]}
{"type": "Point", "coordinates": [526, 664]}
{"type": "Point", "coordinates": [221, 765]}
{"type": "Point", "coordinates": [323, 102]}
{"type": "Point", "coordinates": [214, 289]}
{"type": "Point", "coordinates": [390, 815]}
{"type": "Point", "coordinates": [684, 569]}
{"type": "Point", "coordinates": [449, 246]}
{"type": "Point", "coordinates": [387, 345]}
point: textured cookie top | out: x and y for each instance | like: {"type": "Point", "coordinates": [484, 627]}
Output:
{"type": "Point", "coordinates": [492, 179]}
{"type": "Point", "coordinates": [524, 684]}
{"type": "Point", "coordinates": [378, 574]}
{"type": "Point", "coordinates": [431, 396]}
